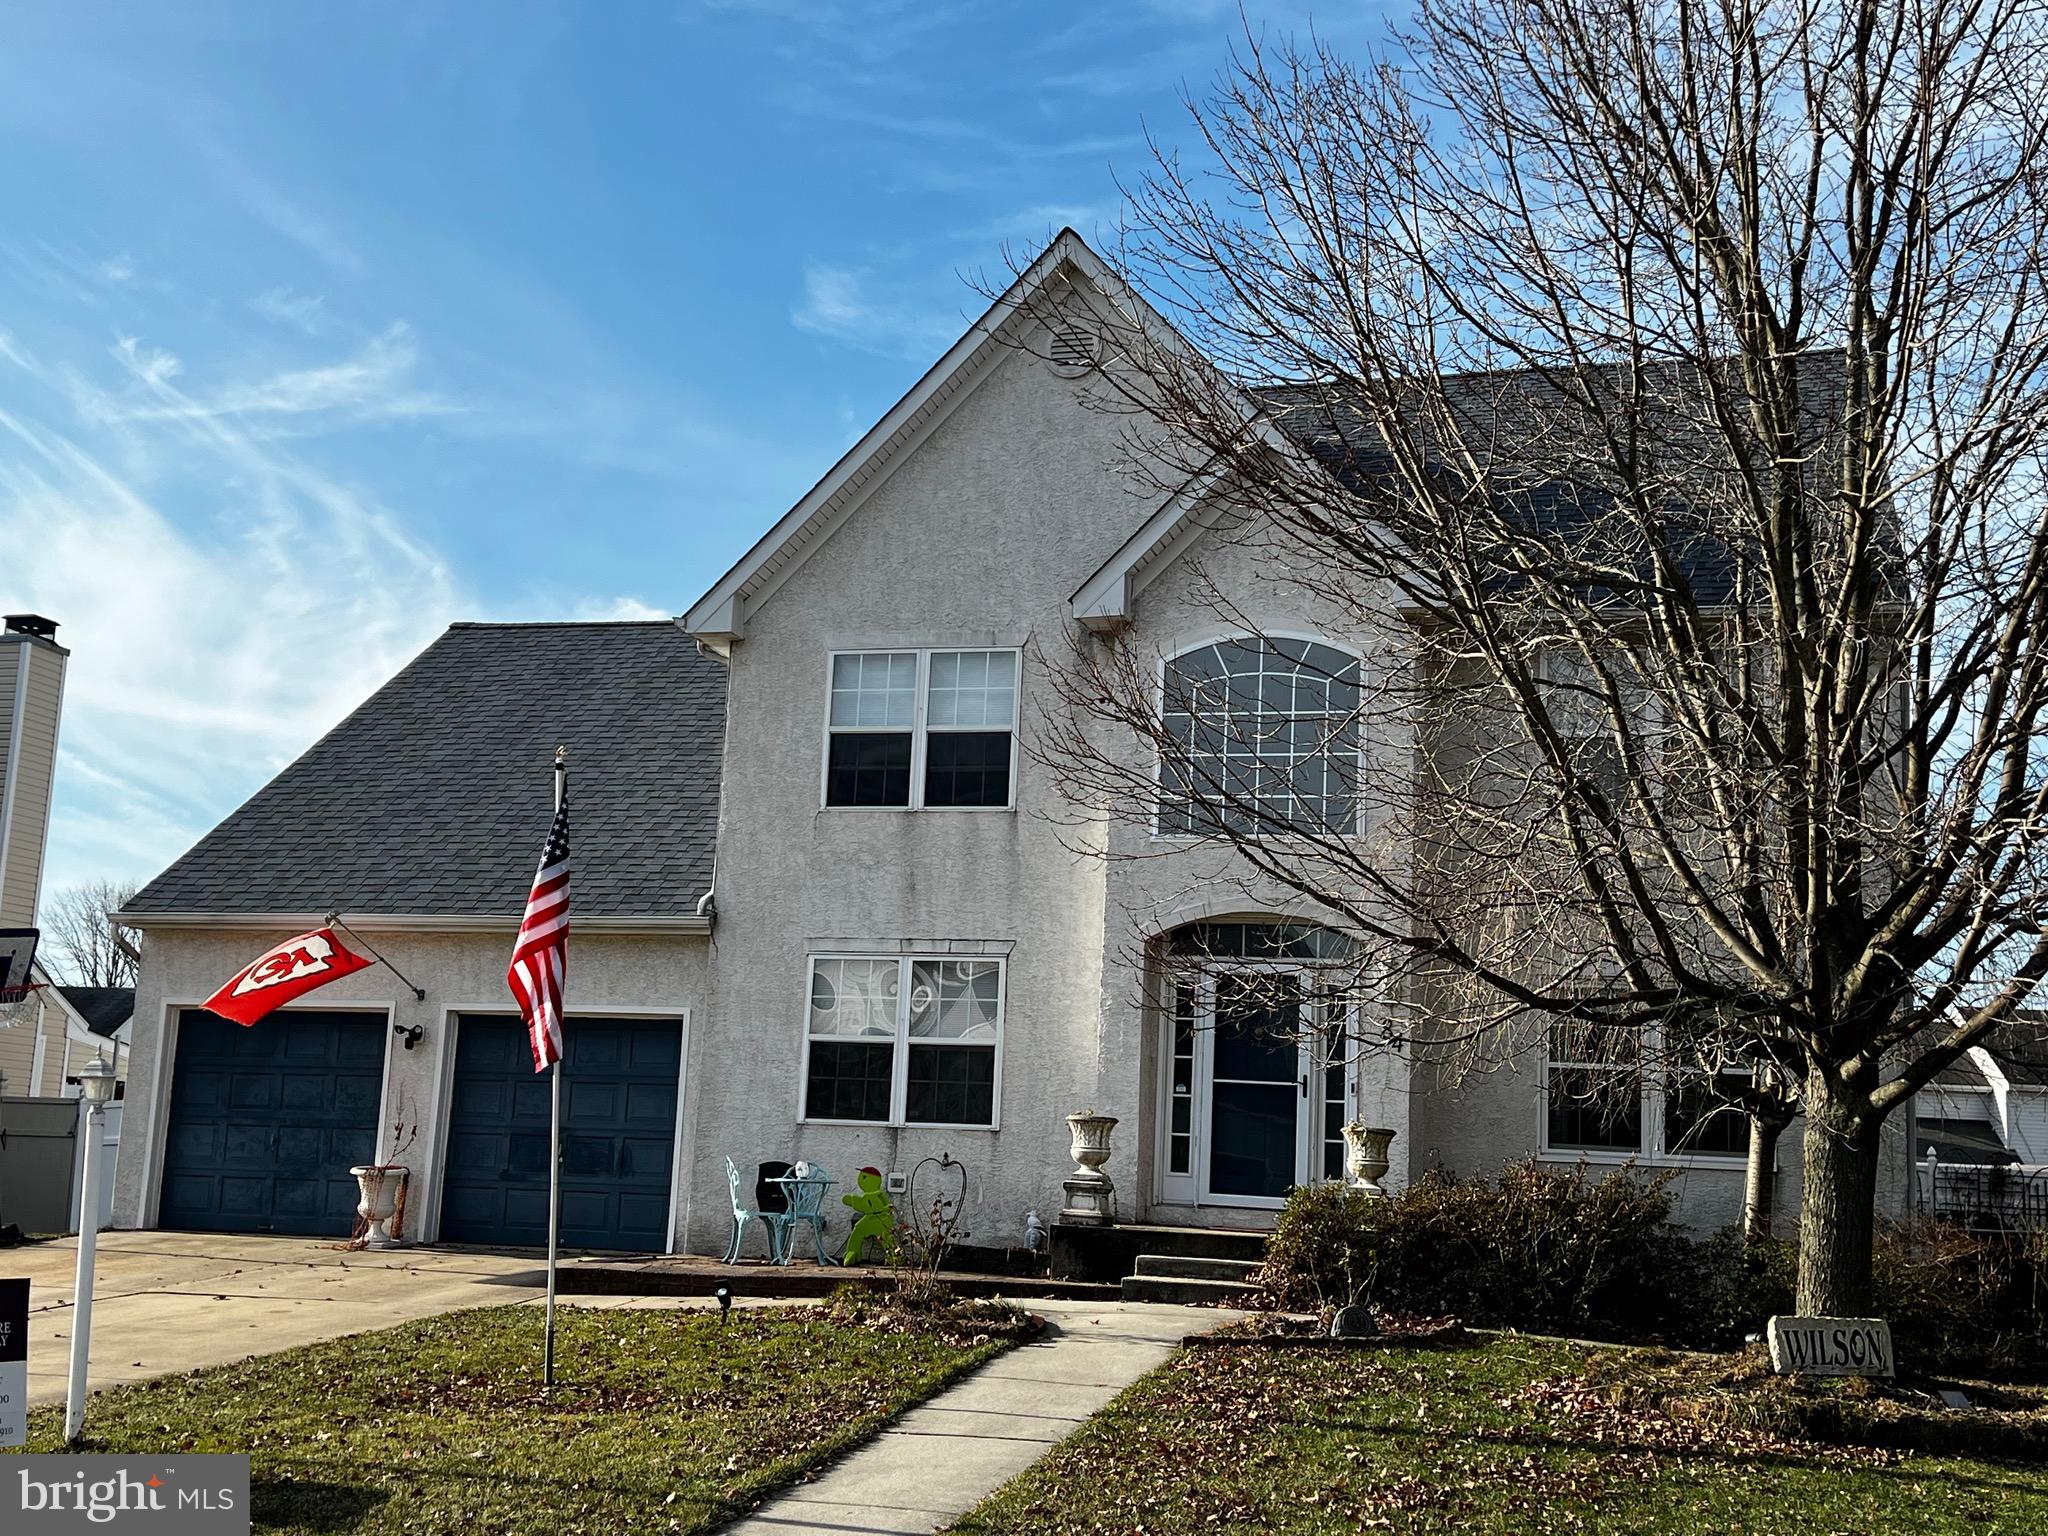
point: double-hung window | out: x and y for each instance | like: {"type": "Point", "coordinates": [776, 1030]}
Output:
{"type": "Point", "coordinates": [1600, 1100]}
{"type": "Point", "coordinates": [1595, 1090]}
{"type": "Point", "coordinates": [921, 730]}
{"type": "Point", "coordinates": [903, 1040]}
{"type": "Point", "coordinates": [1703, 1114]}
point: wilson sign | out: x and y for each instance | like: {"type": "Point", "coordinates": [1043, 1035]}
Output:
{"type": "Point", "coordinates": [1831, 1346]}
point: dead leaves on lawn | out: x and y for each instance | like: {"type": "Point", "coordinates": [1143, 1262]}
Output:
{"type": "Point", "coordinates": [1584, 1412]}
{"type": "Point", "coordinates": [1242, 1437]}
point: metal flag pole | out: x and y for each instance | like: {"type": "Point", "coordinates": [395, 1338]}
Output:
{"type": "Point", "coordinates": [418, 991]}
{"type": "Point", "coordinates": [555, 1129]}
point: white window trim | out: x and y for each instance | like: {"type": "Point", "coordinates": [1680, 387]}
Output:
{"type": "Point", "coordinates": [1222, 637]}
{"type": "Point", "coordinates": [899, 1062]}
{"type": "Point", "coordinates": [1650, 1150]}
{"type": "Point", "coordinates": [919, 729]}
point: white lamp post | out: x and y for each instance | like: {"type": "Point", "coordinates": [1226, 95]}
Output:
{"type": "Point", "coordinates": [96, 1080]}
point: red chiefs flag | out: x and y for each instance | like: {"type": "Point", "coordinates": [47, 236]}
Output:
{"type": "Point", "coordinates": [277, 976]}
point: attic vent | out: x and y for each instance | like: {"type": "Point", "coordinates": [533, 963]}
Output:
{"type": "Point", "coordinates": [1072, 347]}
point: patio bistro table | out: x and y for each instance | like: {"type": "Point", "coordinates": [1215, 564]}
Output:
{"type": "Point", "coordinates": [806, 1208]}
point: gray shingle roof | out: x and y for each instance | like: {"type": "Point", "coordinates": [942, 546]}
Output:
{"type": "Point", "coordinates": [1548, 463]}
{"type": "Point", "coordinates": [433, 798]}
{"type": "Point", "coordinates": [2019, 1046]}
{"type": "Point", "coordinates": [104, 1009]}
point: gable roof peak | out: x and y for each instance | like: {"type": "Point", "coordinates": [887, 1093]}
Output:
{"type": "Point", "coordinates": [719, 617]}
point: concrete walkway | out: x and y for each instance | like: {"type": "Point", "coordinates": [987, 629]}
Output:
{"type": "Point", "coordinates": [941, 1459]}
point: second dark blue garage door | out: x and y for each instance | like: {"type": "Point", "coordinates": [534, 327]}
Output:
{"type": "Point", "coordinates": [619, 1084]}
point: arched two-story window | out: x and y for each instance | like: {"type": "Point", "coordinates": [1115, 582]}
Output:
{"type": "Point", "coordinates": [1262, 738]}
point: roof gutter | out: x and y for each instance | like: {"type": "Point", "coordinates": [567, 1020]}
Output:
{"type": "Point", "coordinates": [408, 922]}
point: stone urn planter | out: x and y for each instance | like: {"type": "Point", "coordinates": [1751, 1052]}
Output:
{"type": "Point", "coordinates": [383, 1191]}
{"type": "Point", "coordinates": [1091, 1196]}
{"type": "Point", "coordinates": [1365, 1155]}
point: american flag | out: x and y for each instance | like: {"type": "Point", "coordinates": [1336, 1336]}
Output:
{"type": "Point", "coordinates": [540, 956]}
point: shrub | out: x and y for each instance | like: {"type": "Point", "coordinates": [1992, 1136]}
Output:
{"type": "Point", "coordinates": [1558, 1250]}
{"type": "Point", "coordinates": [1535, 1248]}
{"type": "Point", "coordinates": [1965, 1302]}
{"type": "Point", "coordinates": [1727, 1288]}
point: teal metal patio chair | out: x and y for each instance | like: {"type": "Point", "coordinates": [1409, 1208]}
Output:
{"type": "Point", "coordinates": [806, 1209]}
{"type": "Point", "coordinates": [741, 1215]}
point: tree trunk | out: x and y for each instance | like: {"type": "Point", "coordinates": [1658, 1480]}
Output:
{"type": "Point", "coordinates": [1838, 1205]}
{"type": "Point", "coordinates": [1759, 1180]}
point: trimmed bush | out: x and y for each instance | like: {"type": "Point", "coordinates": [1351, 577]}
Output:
{"type": "Point", "coordinates": [1535, 1248]}
{"type": "Point", "coordinates": [1556, 1250]}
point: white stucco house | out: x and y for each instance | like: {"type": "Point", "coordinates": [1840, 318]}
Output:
{"type": "Point", "coordinates": [826, 904]}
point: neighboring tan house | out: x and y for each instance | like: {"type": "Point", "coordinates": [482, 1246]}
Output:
{"type": "Point", "coordinates": [899, 955]}
{"type": "Point", "coordinates": [36, 1032]}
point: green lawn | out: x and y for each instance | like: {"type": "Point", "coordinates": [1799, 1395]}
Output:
{"type": "Point", "coordinates": [1504, 1437]}
{"type": "Point", "coordinates": [664, 1421]}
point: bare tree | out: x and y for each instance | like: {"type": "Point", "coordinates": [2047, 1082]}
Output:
{"type": "Point", "coordinates": [1657, 389]}
{"type": "Point", "coordinates": [79, 938]}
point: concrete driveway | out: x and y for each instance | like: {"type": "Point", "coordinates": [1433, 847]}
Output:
{"type": "Point", "coordinates": [175, 1301]}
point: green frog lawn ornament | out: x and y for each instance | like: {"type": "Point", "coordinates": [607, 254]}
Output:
{"type": "Point", "coordinates": [872, 1216]}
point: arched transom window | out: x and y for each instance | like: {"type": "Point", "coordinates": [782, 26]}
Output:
{"type": "Point", "coordinates": [1263, 738]}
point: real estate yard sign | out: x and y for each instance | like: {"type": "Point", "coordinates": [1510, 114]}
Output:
{"type": "Point", "coordinates": [1831, 1346]}
{"type": "Point", "coordinates": [13, 1362]}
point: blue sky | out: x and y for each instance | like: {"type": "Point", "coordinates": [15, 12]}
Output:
{"type": "Point", "coordinates": [322, 326]}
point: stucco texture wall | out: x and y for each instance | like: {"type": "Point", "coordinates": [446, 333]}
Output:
{"type": "Point", "coordinates": [460, 973]}
{"type": "Point", "coordinates": [976, 539]}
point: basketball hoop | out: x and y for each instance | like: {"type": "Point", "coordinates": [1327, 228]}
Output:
{"type": "Point", "coordinates": [18, 984]}
{"type": "Point", "coordinates": [18, 1005]}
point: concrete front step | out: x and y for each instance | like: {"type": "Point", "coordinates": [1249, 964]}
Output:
{"type": "Point", "coordinates": [1182, 1292]}
{"type": "Point", "coordinates": [1181, 1266]}
{"type": "Point", "coordinates": [1111, 1252]}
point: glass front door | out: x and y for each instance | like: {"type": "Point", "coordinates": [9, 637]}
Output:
{"type": "Point", "coordinates": [1255, 1085]}
{"type": "Point", "coordinates": [1254, 1088]}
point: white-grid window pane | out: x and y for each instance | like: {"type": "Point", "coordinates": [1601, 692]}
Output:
{"type": "Point", "coordinates": [973, 689]}
{"type": "Point", "coordinates": [854, 997]}
{"type": "Point", "coordinates": [876, 690]}
{"type": "Point", "coordinates": [1271, 735]}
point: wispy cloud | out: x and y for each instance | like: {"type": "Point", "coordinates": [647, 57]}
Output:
{"type": "Point", "coordinates": [270, 205]}
{"type": "Point", "coordinates": [618, 610]}
{"type": "Point", "coordinates": [16, 354]}
{"type": "Point", "coordinates": [203, 657]}
{"type": "Point", "coordinates": [306, 312]}
{"type": "Point", "coordinates": [226, 600]}
{"type": "Point", "coordinates": [376, 383]}
{"type": "Point", "coordinates": [845, 304]}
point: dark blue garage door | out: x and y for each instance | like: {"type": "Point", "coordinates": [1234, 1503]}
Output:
{"type": "Point", "coordinates": [618, 1135]}
{"type": "Point", "coordinates": [266, 1121]}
